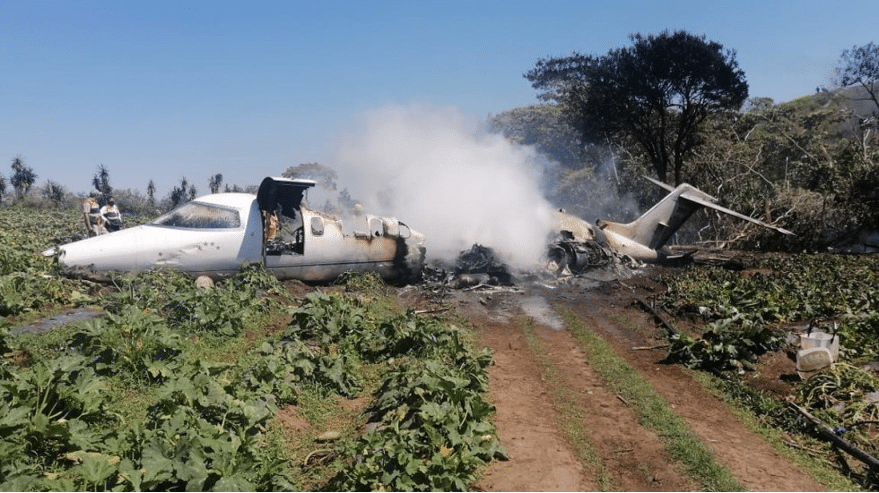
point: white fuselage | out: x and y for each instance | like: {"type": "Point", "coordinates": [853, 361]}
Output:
{"type": "Point", "coordinates": [218, 249]}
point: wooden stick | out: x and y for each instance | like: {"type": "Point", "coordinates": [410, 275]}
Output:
{"type": "Point", "coordinates": [434, 310]}
{"type": "Point", "coordinates": [647, 348]}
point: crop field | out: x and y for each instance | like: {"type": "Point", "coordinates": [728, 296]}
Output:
{"type": "Point", "coordinates": [744, 320]}
{"type": "Point", "coordinates": [183, 388]}
{"type": "Point", "coordinates": [260, 385]}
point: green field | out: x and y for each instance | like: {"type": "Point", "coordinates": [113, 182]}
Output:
{"type": "Point", "coordinates": [245, 386]}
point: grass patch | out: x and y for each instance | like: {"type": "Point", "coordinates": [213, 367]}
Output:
{"type": "Point", "coordinates": [323, 414]}
{"type": "Point", "coordinates": [131, 403]}
{"type": "Point", "coordinates": [652, 410]}
{"type": "Point", "coordinates": [570, 414]}
{"type": "Point", "coordinates": [239, 349]}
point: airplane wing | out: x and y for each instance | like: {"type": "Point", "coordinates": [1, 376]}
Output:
{"type": "Point", "coordinates": [712, 205]}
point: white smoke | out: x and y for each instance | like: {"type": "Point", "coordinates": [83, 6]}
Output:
{"type": "Point", "coordinates": [434, 169]}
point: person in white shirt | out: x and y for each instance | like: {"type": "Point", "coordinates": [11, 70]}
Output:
{"type": "Point", "coordinates": [111, 216]}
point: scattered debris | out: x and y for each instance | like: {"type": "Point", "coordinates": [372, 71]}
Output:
{"type": "Point", "coordinates": [479, 265]}
{"type": "Point", "coordinates": [650, 348]}
{"type": "Point", "coordinates": [668, 326]}
{"type": "Point", "coordinates": [479, 269]}
{"type": "Point", "coordinates": [828, 434]}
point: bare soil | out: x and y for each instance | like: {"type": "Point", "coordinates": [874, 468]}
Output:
{"type": "Point", "coordinates": [631, 456]}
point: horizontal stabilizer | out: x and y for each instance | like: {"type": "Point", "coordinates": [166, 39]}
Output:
{"type": "Point", "coordinates": [733, 213]}
{"type": "Point", "coordinates": [700, 200]}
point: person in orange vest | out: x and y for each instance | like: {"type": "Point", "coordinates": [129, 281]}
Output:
{"type": "Point", "coordinates": [91, 214]}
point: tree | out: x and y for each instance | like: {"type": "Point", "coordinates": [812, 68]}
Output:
{"type": "Point", "coordinates": [657, 92]}
{"type": "Point", "coordinates": [860, 65]}
{"type": "Point", "coordinates": [544, 127]}
{"type": "Point", "coordinates": [54, 192]}
{"type": "Point", "coordinates": [215, 182]}
{"type": "Point", "coordinates": [151, 193]}
{"type": "Point", "coordinates": [2, 187]}
{"type": "Point", "coordinates": [101, 181]}
{"type": "Point", "coordinates": [23, 177]}
{"type": "Point", "coordinates": [178, 194]}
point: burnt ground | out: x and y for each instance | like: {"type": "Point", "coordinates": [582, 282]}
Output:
{"type": "Point", "coordinates": [632, 457]}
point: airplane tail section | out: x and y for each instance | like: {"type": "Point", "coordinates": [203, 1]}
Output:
{"type": "Point", "coordinates": [654, 228]}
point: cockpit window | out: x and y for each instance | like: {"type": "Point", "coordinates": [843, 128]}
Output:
{"type": "Point", "coordinates": [200, 216]}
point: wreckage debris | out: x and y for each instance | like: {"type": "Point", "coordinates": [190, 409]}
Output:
{"type": "Point", "coordinates": [568, 259]}
{"type": "Point", "coordinates": [578, 255]}
{"type": "Point", "coordinates": [480, 265]}
{"type": "Point", "coordinates": [473, 268]}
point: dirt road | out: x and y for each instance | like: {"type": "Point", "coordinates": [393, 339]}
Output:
{"type": "Point", "coordinates": [546, 391]}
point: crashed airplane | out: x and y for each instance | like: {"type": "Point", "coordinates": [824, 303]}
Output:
{"type": "Point", "coordinates": [643, 239]}
{"type": "Point", "coordinates": [217, 234]}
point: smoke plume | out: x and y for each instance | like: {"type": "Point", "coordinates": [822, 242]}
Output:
{"type": "Point", "coordinates": [437, 171]}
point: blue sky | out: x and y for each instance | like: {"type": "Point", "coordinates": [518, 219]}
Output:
{"type": "Point", "coordinates": [161, 90]}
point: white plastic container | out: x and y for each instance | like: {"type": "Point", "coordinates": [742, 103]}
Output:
{"type": "Point", "coordinates": [810, 361]}
{"type": "Point", "coordinates": [821, 339]}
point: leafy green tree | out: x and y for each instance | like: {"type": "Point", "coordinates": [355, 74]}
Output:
{"type": "Point", "coordinates": [23, 177]}
{"type": "Point", "coordinates": [657, 92]}
{"type": "Point", "coordinates": [215, 182]}
{"type": "Point", "coordinates": [860, 65]}
{"type": "Point", "coordinates": [2, 187]}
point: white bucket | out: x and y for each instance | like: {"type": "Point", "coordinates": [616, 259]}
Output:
{"type": "Point", "coordinates": [812, 360]}
{"type": "Point", "coordinates": [821, 339]}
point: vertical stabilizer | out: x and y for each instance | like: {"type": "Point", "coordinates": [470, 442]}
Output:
{"type": "Point", "coordinates": [657, 225]}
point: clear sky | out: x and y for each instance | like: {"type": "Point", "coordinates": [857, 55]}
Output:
{"type": "Point", "coordinates": [165, 89]}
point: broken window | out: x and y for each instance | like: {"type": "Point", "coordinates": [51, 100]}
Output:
{"type": "Point", "coordinates": [376, 227]}
{"type": "Point", "coordinates": [200, 216]}
{"type": "Point", "coordinates": [317, 226]}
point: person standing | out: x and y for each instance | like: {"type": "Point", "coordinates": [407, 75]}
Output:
{"type": "Point", "coordinates": [91, 214]}
{"type": "Point", "coordinates": [111, 217]}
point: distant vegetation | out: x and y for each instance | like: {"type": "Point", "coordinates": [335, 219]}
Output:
{"type": "Point", "coordinates": [810, 165]}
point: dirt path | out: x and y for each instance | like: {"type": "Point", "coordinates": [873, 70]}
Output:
{"type": "Point", "coordinates": [629, 457]}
